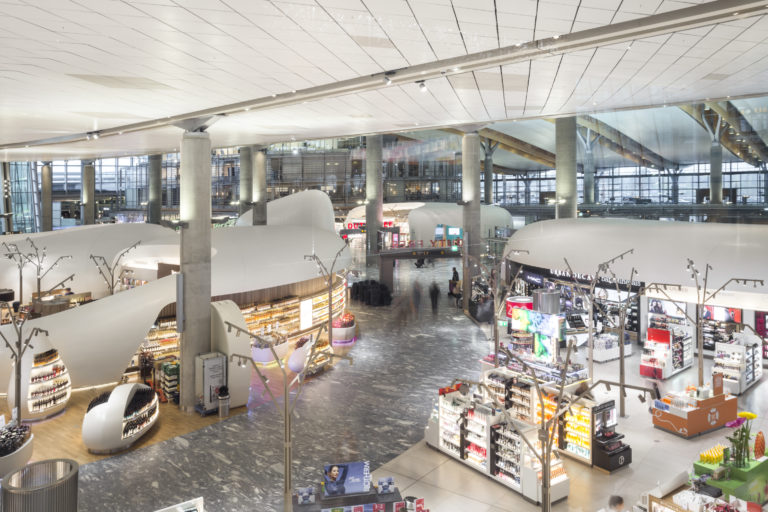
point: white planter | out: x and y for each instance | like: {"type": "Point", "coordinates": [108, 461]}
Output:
{"type": "Point", "coordinates": [344, 335]}
{"type": "Point", "coordinates": [17, 459]}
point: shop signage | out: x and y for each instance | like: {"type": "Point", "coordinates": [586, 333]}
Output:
{"type": "Point", "coordinates": [502, 323]}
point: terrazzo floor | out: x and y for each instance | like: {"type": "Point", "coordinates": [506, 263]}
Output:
{"type": "Point", "coordinates": [376, 410]}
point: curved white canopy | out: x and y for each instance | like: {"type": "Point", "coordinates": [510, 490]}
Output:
{"type": "Point", "coordinates": [422, 221]}
{"type": "Point", "coordinates": [661, 250]}
{"type": "Point", "coordinates": [307, 208]}
{"type": "Point", "coordinates": [390, 210]}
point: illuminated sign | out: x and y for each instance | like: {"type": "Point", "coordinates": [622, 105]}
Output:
{"type": "Point", "coordinates": [535, 322]}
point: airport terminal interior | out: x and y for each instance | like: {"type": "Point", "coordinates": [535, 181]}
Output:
{"type": "Point", "coordinates": [383, 255]}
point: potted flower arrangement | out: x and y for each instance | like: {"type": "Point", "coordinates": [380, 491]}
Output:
{"type": "Point", "coordinates": [344, 329]}
{"type": "Point", "coordinates": [740, 454]}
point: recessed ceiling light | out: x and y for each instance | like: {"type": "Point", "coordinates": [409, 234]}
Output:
{"type": "Point", "coordinates": [735, 14]}
{"type": "Point", "coordinates": [247, 109]}
{"type": "Point", "coordinates": [294, 91]}
{"type": "Point", "coordinates": [727, 96]}
{"type": "Point", "coordinates": [274, 95]}
{"type": "Point", "coordinates": [422, 86]}
{"type": "Point", "coordinates": [556, 37]}
{"type": "Point", "coordinates": [456, 69]}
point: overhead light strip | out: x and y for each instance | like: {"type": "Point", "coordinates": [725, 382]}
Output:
{"type": "Point", "coordinates": [658, 24]}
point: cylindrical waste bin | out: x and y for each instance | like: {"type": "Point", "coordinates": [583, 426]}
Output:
{"type": "Point", "coordinates": [223, 402]}
{"type": "Point", "coordinates": [49, 485]}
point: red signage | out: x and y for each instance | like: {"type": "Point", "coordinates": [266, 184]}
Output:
{"type": "Point", "coordinates": [659, 335]}
{"type": "Point", "coordinates": [518, 302]}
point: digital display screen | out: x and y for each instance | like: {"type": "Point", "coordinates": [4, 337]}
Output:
{"type": "Point", "coordinates": [454, 231]}
{"type": "Point", "coordinates": [439, 231]}
{"type": "Point", "coordinates": [532, 321]}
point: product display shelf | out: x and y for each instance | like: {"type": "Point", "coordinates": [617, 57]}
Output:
{"type": "Point", "coordinates": [49, 385]}
{"type": "Point", "coordinates": [498, 452]}
{"type": "Point", "coordinates": [137, 423]}
{"type": "Point", "coordinates": [714, 332]}
{"type": "Point", "coordinates": [516, 394]}
{"type": "Point", "coordinates": [740, 365]}
{"type": "Point", "coordinates": [606, 347]}
{"type": "Point", "coordinates": [578, 432]}
{"type": "Point", "coordinates": [545, 372]}
{"type": "Point", "coordinates": [665, 353]}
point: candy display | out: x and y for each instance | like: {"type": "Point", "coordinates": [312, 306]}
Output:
{"type": "Point", "coordinates": [713, 455]}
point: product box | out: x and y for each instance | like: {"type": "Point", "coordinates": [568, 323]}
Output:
{"type": "Point", "coordinates": [386, 485]}
{"type": "Point", "coordinates": [305, 495]}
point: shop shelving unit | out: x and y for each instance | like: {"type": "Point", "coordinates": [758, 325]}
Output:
{"type": "Point", "coordinates": [665, 353]}
{"type": "Point", "coordinates": [49, 386]}
{"type": "Point", "coordinates": [477, 434]}
{"type": "Point", "coordinates": [606, 348]}
{"type": "Point", "coordinates": [740, 365]}
{"type": "Point", "coordinates": [715, 332]}
{"type": "Point", "coordinates": [522, 404]}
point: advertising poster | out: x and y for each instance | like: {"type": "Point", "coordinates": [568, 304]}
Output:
{"type": "Point", "coordinates": [666, 307]}
{"type": "Point", "coordinates": [347, 478]}
{"type": "Point", "coordinates": [720, 314]}
{"type": "Point", "coordinates": [544, 348]}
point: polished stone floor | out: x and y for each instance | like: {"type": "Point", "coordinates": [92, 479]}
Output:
{"type": "Point", "coordinates": [376, 410]}
{"type": "Point", "coordinates": [373, 410]}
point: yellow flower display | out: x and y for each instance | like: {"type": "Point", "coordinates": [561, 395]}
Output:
{"type": "Point", "coordinates": [748, 415]}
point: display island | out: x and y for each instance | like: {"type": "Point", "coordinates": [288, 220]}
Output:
{"type": "Point", "coordinates": [666, 353]}
{"type": "Point", "coordinates": [473, 431]}
{"type": "Point", "coordinates": [45, 384]}
{"type": "Point", "coordinates": [695, 411]}
{"type": "Point", "coordinates": [740, 363]}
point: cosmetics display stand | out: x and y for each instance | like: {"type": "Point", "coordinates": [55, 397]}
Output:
{"type": "Point", "coordinates": [606, 348]}
{"type": "Point", "coordinates": [365, 502]}
{"type": "Point", "coordinates": [740, 365]}
{"type": "Point", "coordinates": [472, 431]}
{"type": "Point", "coordinates": [666, 353]}
{"type": "Point", "coordinates": [695, 412]}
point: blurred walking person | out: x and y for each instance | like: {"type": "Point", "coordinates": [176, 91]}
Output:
{"type": "Point", "coordinates": [434, 295]}
{"type": "Point", "coordinates": [416, 299]}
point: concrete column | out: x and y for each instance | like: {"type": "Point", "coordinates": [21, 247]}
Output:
{"type": "Point", "coordinates": [246, 180]}
{"type": "Point", "coordinates": [155, 178]}
{"type": "Point", "coordinates": [675, 187]}
{"type": "Point", "coordinates": [7, 202]}
{"type": "Point", "coordinates": [46, 197]}
{"type": "Point", "coordinates": [765, 185]}
{"type": "Point", "coordinates": [503, 189]}
{"type": "Point", "coordinates": [527, 191]}
{"type": "Point", "coordinates": [566, 194]}
{"type": "Point", "coordinates": [259, 190]}
{"type": "Point", "coordinates": [87, 193]}
{"type": "Point", "coordinates": [195, 217]}
{"type": "Point", "coordinates": [489, 148]}
{"type": "Point", "coordinates": [470, 196]}
{"type": "Point", "coordinates": [716, 173]}
{"type": "Point", "coordinates": [374, 207]}
{"type": "Point", "coordinates": [589, 176]}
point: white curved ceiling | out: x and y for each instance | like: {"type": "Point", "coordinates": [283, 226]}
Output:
{"type": "Point", "coordinates": [82, 65]}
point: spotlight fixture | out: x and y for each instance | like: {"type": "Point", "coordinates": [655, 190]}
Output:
{"type": "Point", "coordinates": [95, 135]}
{"type": "Point", "coordinates": [641, 397]}
{"type": "Point", "coordinates": [422, 86]}
{"type": "Point", "coordinates": [387, 80]}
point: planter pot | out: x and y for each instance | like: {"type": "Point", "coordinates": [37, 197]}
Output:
{"type": "Point", "coordinates": [344, 335]}
{"type": "Point", "coordinates": [17, 459]}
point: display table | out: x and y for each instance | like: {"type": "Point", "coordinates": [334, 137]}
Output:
{"type": "Point", "coordinates": [689, 417]}
{"type": "Point", "coordinates": [685, 499]}
{"type": "Point", "coordinates": [747, 483]}
{"type": "Point", "coordinates": [342, 502]}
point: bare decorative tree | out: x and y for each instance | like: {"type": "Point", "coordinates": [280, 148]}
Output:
{"type": "Point", "coordinates": [37, 258]}
{"type": "Point", "coordinates": [107, 271]}
{"type": "Point", "coordinates": [18, 348]}
{"type": "Point", "coordinates": [288, 404]}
